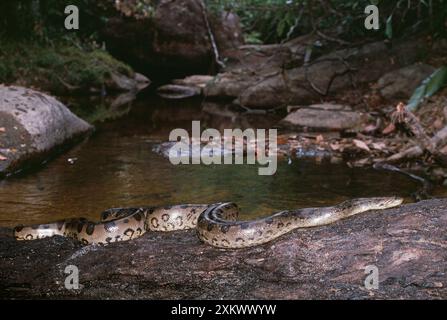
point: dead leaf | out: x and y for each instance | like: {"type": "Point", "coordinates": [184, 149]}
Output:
{"type": "Point", "coordinates": [389, 128]}
{"type": "Point", "coordinates": [335, 146]}
{"type": "Point", "coordinates": [319, 138]}
{"type": "Point", "coordinates": [379, 145]}
{"type": "Point", "coordinates": [360, 144]}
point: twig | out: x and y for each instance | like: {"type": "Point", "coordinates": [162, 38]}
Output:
{"type": "Point", "coordinates": [421, 194]}
{"type": "Point", "coordinates": [406, 117]}
{"type": "Point", "coordinates": [211, 36]}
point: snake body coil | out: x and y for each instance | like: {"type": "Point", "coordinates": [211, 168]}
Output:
{"type": "Point", "coordinates": [216, 224]}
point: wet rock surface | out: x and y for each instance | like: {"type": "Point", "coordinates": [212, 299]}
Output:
{"type": "Point", "coordinates": [286, 74]}
{"type": "Point", "coordinates": [407, 244]}
{"type": "Point", "coordinates": [33, 124]}
{"type": "Point", "coordinates": [174, 41]}
{"type": "Point", "coordinates": [326, 117]}
{"type": "Point", "coordinates": [400, 84]}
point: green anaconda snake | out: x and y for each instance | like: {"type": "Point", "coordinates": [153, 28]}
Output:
{"type": "Point", "coordinates": [216, 224]}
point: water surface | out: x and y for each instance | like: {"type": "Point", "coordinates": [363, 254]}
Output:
{"type": "Point", "coordinates": [116, 167]}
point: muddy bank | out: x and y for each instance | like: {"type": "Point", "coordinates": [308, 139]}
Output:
{"type": "Point", "coordinates": [407, 244]}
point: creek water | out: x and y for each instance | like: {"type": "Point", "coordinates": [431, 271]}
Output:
{"type": "Point", "coordinates": [116, 167]}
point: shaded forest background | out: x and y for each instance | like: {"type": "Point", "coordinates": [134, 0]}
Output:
{"type": "Point", "coordinates": [36, 48]}
{"type": "Point", "coordinates": [263, 21]}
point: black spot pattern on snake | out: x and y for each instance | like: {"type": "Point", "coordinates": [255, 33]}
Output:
{"type": "Point", "coordinates": [209, 227]}
{"type": "Point", "coordinates": [138, 217]}
{"type": "Point", "coordinates": [183, 206]}
{"type": "Point", "coordinates": [179, 221]}
{"type": "Point", "coordinates": [18, 228]}
{"type": "Point", "coordinates": [280, 225]}
{"type": "Point", "coordinates": [129, 232]}
{"type": "Point", "coordinates": [29, 237]}
{"type": "Point", "coordinates": [167, 207]}
{"type": "Point", "coordinates": [60, 225]}
{"type": "Point", "coordinates": [165, 217]}
{"type": "Point", "coordinates": [34, 227]}
{"type": "Point", "coordinates": [225, 242]}
{"type": "Point", "coordinates": [193, 211]}
{"type": "Point", "coordinates": [239, 240]}
{"type": "Point", "coordinates": [269, 221]}
{"type": "Point", "coordinates": [79, 226]}
{"type": "Point", "coordinates": [225, 228]}
{"type": "Point", "coordinates": [126, 220]}
{"type": "Point", "coordinates": [90, 228]}
{"type": "Point", "coordinates": [84, 241]}
{"type": "Point", "coordinates": [108, 239]}
{"type": "Point", "coordinates": [154, 222]}
{"type": "Point", "coordinates": [110, 226]}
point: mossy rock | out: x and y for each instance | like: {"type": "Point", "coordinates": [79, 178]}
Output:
{"type": "Point", "coordinates": [59, 68]}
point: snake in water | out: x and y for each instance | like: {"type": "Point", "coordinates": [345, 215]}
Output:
{"type": "Point", "coordinates": [216, 224]}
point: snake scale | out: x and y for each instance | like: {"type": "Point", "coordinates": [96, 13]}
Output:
{"type": "Point", "coordinates": [216, 224]}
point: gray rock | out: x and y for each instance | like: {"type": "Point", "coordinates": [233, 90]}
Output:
{"type": "Point", "coordinates": [401, 83]}
{"type": "Point", "coordinates": [287, 81]}
{"type": "Point", "coordinates": [121, 83]}
{"type": "Point", "coordinates": [33, 124]}
{"type": "Point", "coordinates": [175, 91]}
{"type": "Point", "coordinates": [174, 40]}
{"type": "Point", "coordinates": [324, 117]}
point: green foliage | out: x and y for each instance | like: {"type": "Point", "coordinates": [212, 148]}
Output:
{"type": "Point", "coordinates": [58, 67]}
{"type": "Point", "coordinates": [436, 81]}
{"type": "Point", "coordinates": [44, 19]}
{"type": "Point", "coordinates": [278, 20]}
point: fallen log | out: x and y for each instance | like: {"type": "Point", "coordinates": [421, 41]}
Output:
{"type": "Point", "coordinates": [407, 245]}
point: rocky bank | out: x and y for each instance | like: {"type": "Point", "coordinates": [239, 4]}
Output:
{"type": "Point", "coordinates": [406, 244]}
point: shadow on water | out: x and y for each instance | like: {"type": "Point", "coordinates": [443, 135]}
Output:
{"type": "Point", "coordinates": [116, 167]}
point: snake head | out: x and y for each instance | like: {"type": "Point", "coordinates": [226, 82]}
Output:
{"type": "Point", "coordinates": [386, 202]}
{"type": "Point", "coordinates": [19, 233]}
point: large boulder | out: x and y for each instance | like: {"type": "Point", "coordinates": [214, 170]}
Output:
{"type": "Point", "coordinates": [400, 84]}
{"type": "Point", "coordinates": [263, 85]}
{"type": "Point", "coordinates": [33, 124]}
{"type": "Point", "coordinates": [172, 42]}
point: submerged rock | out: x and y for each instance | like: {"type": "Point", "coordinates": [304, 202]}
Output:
{"type": "Point", "coordinates": [175, 91]}
{"type": "Point", "coordinates": [33, 124]}
{"type": "Point", "coordinates": [400, 84]}
{"type": "Point", "coordinates": [122, 83]}
{"type": "Point", "coordinates": [324, 117]}
{"type": "Point", "coordinates": [406, 244]}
